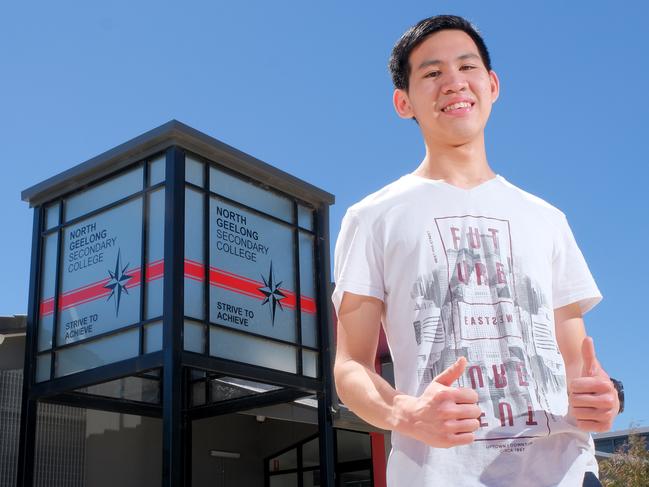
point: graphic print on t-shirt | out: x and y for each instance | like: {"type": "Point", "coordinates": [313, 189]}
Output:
{"type": "Point", "coordinates": [476, 303]}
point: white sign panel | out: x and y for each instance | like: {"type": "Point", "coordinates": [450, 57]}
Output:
{"type": "Point", "coordinates": [252, 272]}
{"type": "Point", "coordinates": [100, 273]}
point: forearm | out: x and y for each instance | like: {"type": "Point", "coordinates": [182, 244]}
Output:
{"type": "Point", "coordinates": [367, 394]}
{"type": "Point", "coordinates": [570, 336]}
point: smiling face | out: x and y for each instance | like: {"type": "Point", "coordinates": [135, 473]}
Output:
{"type": "Point", "coordinates": [450, 91]}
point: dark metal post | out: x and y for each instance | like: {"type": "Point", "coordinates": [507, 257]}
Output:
{"type": "Point", "coordinates": [144, 271]}
{"type": "Point", "coordinates": [57, 291]}
{"type": "Point", "coordinates": [298, 289]}
{"type": "Point", "coordinates": [187, 426]}
{"type": "Point", "coordinates": [300, 466]}
{"type": "Point", "coordinates": [326, 441]}
{"type": "Point", "coordinates": [173, 441]}
{"type": "Point", "coordinates": [29, 407]}
{"type": "Point", "coordinates": [326, 397]}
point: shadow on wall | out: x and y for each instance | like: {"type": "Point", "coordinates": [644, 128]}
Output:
{"type": "Point", "coordinates": [123, 450]}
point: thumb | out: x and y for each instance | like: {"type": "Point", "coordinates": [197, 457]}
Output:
{"type": "Point", "coordinates": [452, 373]}
{"type": "Point", "coordinates": [589, 365]}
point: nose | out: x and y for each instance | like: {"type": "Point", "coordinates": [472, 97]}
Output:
{"type": "Point", "coordinates": [454, 83]}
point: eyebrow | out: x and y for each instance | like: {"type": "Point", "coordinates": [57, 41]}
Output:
{"type": "Point", "coordinates": [433, 62]}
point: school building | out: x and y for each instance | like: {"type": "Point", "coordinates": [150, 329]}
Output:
{"type": "Point", "coordinates": [178, 329]}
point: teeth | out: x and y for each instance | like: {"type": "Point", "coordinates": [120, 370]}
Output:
{"type": "Point", "coordinates": [455, 106]}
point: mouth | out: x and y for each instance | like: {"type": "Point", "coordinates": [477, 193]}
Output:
{"type": "Point", "coordinates": [458, 107]}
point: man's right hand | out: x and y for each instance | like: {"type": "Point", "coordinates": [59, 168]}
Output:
{"type": "Point", "coordinates": [443, 416]}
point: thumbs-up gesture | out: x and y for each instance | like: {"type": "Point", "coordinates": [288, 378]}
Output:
{"type": "Point", "coordinates": [443, 416]}
{"type": "Point", "coordinates": [592, 397]}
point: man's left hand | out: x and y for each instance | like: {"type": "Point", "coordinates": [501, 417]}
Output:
{"type": "Point", "coordinates": [592, 398]}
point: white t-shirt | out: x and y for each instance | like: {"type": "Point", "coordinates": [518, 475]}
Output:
{"type": "Point", "coordinates": [474, 273]}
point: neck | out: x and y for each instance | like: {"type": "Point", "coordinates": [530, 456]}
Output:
{"type": "Point", "coordinates": [463, 165]}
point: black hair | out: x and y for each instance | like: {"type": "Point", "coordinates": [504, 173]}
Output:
{"type": "Point", "coordinates": [399, 63]}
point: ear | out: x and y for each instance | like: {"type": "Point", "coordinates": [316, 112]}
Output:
{"type": "Point", "coordinates": [402, 104]}
{"type": "Point", "coordinates": [495, 86]}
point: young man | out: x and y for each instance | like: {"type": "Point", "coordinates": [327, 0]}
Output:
{"type": "Point", "coordinates": [480, 288]}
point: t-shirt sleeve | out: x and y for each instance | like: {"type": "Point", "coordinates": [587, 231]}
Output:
{"type": "Point", "coordinates": [358, 260]}
{"type": "Point", "coordinates": [572, 281]}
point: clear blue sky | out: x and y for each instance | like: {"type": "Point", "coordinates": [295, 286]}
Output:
{"type": "Point", "coordinates": [304, 86]}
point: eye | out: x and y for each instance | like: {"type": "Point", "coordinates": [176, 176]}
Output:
{"type": "Point", "coordinates": [467, 67]}
{"type": "Point", "coordinates": [432, 74]}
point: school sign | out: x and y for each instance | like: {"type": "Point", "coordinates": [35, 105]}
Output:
{"type": "Point", "coordinates": [171, 259]}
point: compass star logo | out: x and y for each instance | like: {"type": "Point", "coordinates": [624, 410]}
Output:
{"type": "Point", "coordinates": [117, 282]}
{"type": "Point", "coordinates": [272, 292]}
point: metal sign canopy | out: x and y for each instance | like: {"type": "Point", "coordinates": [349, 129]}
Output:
{"type": "Point", "coordinates": [175, 276]}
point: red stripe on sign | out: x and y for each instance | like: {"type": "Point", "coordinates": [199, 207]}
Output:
{"type": "Point", "coordinates": [248, 287]}
{"type": "Point", "coordinates": [96, 290]}
{"type": "Point", "coordinates": [47, 306]}
{"type": "Point", "coordinates": [243, 285]}
{"type": "Point", "coordinates": [84, 294]}
{"type": "Point", "coordinates": [155, 270]}
{"type": "Point", "coordinates": [82, 288]}
{"type": "Point", "coordinates": [308, 305]}
{"type": "Point", "coordinates": [192, 270]}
